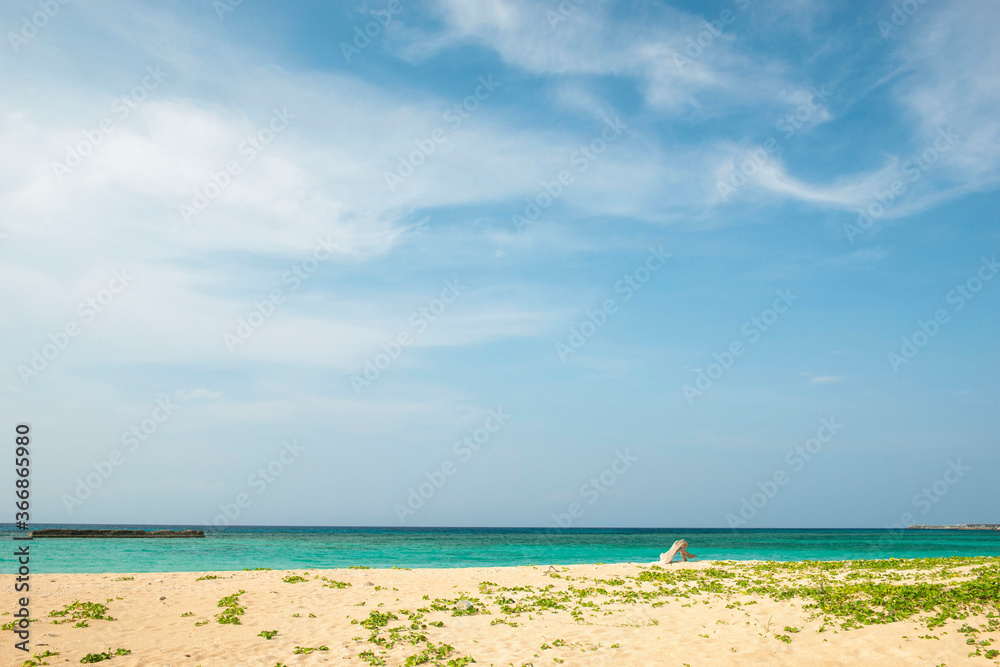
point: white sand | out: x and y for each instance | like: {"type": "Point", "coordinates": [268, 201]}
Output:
{"type": "Point", "coordinates": [672, 634]}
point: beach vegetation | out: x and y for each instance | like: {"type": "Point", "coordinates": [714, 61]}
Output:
{"type": "Point", "coordinates": [268, 634]}
{"type": "Point", "coordinates": [208, 577]}
{"type": "Point", "coordinates": [411, 632]}
{"type": "Point", "coordinates": [39, 659]}
{"type": "Point", "coordinates": [293, 579]}
{"type": "Point", "coordinates": [106, 655]}
{"type": "Point", "coordinates": [333, 583]}
{"type": "Point", "coordinates": [432, 652]}
{"type": "Point", "coordinates": [187, 613]}
{"type": "Point", "coordinates": [231, 609]}
{"type": "Point", "coordinates": [81, 611]}
{"type": "Point", "coordinates": [849, 594]}
{"type": "Point", "coordinates": [378, 619]}
{"type": "Point", "coordinates": [611, 582]}
{"type": "Point", "coordinates": [124, 579]}
{"type": "Point", "coordinates": [466, 608]}
{"type": "Point", "coordinates": [306, 650]}
{"type": "Point", "coordinates": [371, 658]}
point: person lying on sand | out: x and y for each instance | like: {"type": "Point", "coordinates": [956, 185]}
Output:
{"type": "Point", "coordinates": [679, 547]}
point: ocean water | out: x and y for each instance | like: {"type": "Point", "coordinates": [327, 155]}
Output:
{"type": "Point", "coordinates": [311, 547]}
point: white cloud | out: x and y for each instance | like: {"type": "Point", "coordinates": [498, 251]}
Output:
{"type": "Point", "coordinates": [946, 90]}
{"type": "Point", "coordinates": [322, 177]}
{"type": "Point", "coordinates": [655, 50]}
{"type": "Point", "coordinates": [197, 394]}
{"type": "Point", "coordinates": [949, 51]}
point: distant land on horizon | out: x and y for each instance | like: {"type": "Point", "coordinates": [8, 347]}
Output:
{"type": "Point", "coordinates": [962, 526]}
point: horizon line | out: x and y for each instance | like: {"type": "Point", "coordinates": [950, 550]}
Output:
{"type": "Point", "coordinates": [533, 528]}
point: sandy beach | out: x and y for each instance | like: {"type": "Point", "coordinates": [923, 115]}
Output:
{"type": "Point", "coordinates": [698, 613]}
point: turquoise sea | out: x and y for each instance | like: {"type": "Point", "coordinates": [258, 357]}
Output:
{"type": "Point", "coordinates": [312, 547]}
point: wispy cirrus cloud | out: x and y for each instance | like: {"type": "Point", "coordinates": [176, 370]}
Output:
{"type": "Point", "coordinates": [653, 48]}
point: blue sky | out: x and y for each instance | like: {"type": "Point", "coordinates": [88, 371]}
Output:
{"type": "Point", "coordinates": [567, 214]}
